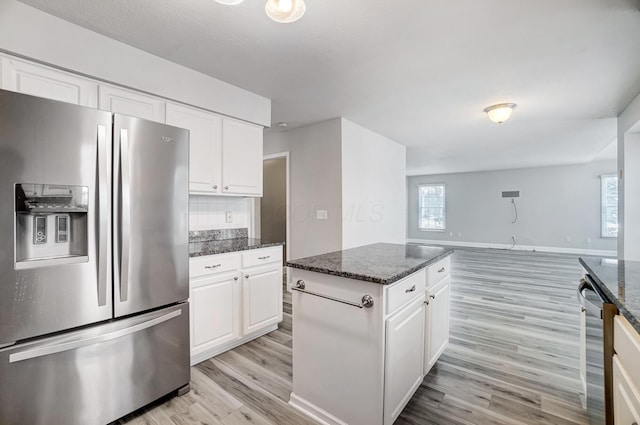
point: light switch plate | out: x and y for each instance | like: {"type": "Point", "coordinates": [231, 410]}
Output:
{"type": "Point", "coordinates": [322, 214]}
{"type": "Point", "coordinates": [228, 217]}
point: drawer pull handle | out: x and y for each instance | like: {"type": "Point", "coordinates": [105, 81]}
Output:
{"type": "Point", "coordinates": [235, 278]}
{"type": "Point", "coordinates": [264, 258]}
{"type": "Point", "coordinates": [367, 300]}
{"type": "Point", "coordinates": [441, 270]}
{"type": "Point", "coordinates": [215, 266]}
{"type": "Point", "coordinates": [412, 289]}
{"type": "Point", "coordinates": [215, 186]}
{"type": "Point", "coordinates": [246, 276]}
{"type": "Point", "coordinates": [427, 302]}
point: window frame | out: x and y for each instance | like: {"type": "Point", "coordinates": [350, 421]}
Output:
{"type": "Point", "coordinates": [444, 207]}
{"type": "Point", "coordinates": [603, 231]}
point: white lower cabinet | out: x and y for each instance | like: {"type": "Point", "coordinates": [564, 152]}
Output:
{"type": "Point", "coordinates": [404, 356]}
{"type": "Point", "coordinates": [214, 320]}
{"type": "Point", "coordinates": [232, 304]}
{"type": "Point", "coordinates": [626, 375]}
{"type": "Point", "coordinates": [262, 297]}
{"type": "Point", "coordinates": [436, 322]}
{"type": "Point", "coordinates": [626, 400]}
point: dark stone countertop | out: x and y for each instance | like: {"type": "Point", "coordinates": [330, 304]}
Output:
{"type": "Point", "coordinates": [382, 263]}
{"type": "Point", "coordinates": [620, 282]}
{"type": "Point", "coordinates": [199, 249]}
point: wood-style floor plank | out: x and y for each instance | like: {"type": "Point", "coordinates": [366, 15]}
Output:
{"type": "Point", "coordinates": [512, 359]}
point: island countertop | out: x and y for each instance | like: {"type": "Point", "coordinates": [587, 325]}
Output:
{"type": "Point", "coordinates": [620, 282]}
{"type": "Point", "coordinates": [382, 263]}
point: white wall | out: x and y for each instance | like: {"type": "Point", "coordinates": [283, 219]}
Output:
{"type": "Point", "coordinates": [373, 187]}
{"type": "Point", "coordinates": [628, 124]}
{"type": "Point", "coordinates": [31, 33]}
{"type": "Point", "coordinates": [632, 196]}
{"type": "Point", "coordinates": [316, 184]}
{"type": "Point", "coordinates": [555, 203]}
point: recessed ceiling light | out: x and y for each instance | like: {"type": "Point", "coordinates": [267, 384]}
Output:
{"type": "Point", "coordinates": [501, 112]}
{"type": "Point", "coordinates": [282, 124]}
{"type": "Point", "coordinates": [230, 2]}
{"type": "Point", "coordinates": [285, 11]}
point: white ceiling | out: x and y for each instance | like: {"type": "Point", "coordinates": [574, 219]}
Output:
{"type": "Point", "coordinates": [417, 71]}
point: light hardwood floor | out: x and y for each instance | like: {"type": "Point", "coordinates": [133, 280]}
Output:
{"type": "Point", "coordinates": [512, 359]}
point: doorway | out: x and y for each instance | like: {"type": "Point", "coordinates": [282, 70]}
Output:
{"type": "Point", "coordinates": [272, 210]}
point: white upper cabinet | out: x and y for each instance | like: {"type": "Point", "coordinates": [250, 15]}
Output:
{"type": "Point", "coordinates": [41, 81]}
{"type": "Point", "coordinates": [241, 158]}
{"type": "Point", "coordinates": [133, 104]}
{"type": "Point", "coordinates": [205, 146]}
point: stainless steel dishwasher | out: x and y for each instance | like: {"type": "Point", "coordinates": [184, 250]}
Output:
{"type": "Point", "coordinates": [599, 314]}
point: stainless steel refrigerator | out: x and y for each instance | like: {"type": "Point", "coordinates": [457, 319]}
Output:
{"type": "Point", "coordinates": [94, 319]}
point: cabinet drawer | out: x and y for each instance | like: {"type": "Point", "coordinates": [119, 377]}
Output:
{"type": "Point", "coordinates": [405, 290]}
{"type": "Point", "coordinates": [210, 264]}
{"type": "Point", "coordinates": [258, 257]}
{"type": "Point", "coordinates": [626, 343]}
{"type": "Point", "coordinates": [438, 271]}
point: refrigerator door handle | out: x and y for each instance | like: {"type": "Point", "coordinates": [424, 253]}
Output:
{"type": "Point", "coordinates": [103, 200]}
{"type": "Point", "coordinates": [72, 345]}
{"type": "Point", "coordinates": [125, 211]}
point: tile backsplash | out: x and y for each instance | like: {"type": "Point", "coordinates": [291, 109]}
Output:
{"type": "Point", "coordinates": [209, 212]}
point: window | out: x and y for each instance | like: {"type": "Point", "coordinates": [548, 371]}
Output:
{"type": "Point", "coordinates": [609, 205]}
{"type": "Point", "coordinates": [431, 207]}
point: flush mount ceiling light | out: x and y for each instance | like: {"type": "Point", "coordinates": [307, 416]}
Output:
{"type": "Point", "coordinates": [501, 112]}
{"type": "Point", "coordinates": [230, 2]}
{"type": "Point", "coordinates": [285, 11]}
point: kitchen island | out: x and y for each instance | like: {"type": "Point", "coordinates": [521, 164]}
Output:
{"type": "Point", "coordinates": [369, 323]}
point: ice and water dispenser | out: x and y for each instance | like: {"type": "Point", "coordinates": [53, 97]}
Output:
{"type": "Point", "coordinates": [51, 224]}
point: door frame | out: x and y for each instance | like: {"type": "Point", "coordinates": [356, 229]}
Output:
{"type": "Point", "coordinates": [255, 218]}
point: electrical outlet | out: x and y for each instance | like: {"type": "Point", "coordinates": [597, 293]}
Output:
{"type": "Point", "coordinates": [322, 214]}
{"type": "Point", "coordinates": [451, 234]}
{"type": "Point", "coordinates": [567, 239]}
{"type": "Point", "coordinates": [228, 217]}
{"type": "Point", "coordinates": [588, 240]}
{"type": "Point", "coordinates": [459, 234]}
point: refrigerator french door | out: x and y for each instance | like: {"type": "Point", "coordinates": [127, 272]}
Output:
{"type": "Point", "coordinates": [93, 264]}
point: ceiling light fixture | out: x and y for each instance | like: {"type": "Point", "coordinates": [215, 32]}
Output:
{"type": "Point", "coordinates": [501, 112]}
{"type": "Point", "coordinates": [283, 124]}
{"type": "Point", "coordinates": [230, 2]}
{"type": "Point", "coordinates": [285, 11]}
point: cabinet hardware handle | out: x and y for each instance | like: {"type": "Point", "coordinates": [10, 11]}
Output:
{"type": "Point", "coordinates": [226, 188]}
{"type": "Point", "coordinates": [412, 289]}
{"type": "Point", "coordinates": [215, 266]}
{"type": "Point", "coordinates": [367, 300]}
{"type": "Point", "coordinates": [235, 278]}
{"type": "Point", "coordinates": [433, 297]}
{"type": "Point", "coordinates": [264, 258]}
{"type": "Point", "coordinates": [427, 302]}
{"type": "Point", "coordinates": [582, 309]}
{"type": "Point", "coordinates": [215, 186]}
{"type": "Point", "coordinates": [441, 270]}
{"type": "Point", "coordinates": [246, 276]}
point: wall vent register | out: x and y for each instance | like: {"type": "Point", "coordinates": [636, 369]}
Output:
{"type": "Point", "coordinates": [50, 225]}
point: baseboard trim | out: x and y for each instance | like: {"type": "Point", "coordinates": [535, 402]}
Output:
{"type": "Point", "coordinates": [206, 355]}
{"type": "Point", "coordinates": [314, 411]}
{"type": "Point", "coordinates": [552, 249]}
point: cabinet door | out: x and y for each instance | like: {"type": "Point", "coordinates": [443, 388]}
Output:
{"type": "Point", "coordinates": [130, 103]}
{"type": "Point", "coordinates": [214, 311]}
{"type": "Point", "coordinates": [437, 323]}
{"type": "Point", "coordinates": [205, 146]}
{"type": "Point", "coordinates": [262, 294]}
{"type": "Point", "coordinates": [241, 158]}
{"type": "Point", "coordinates": [626, 400]}
{"type": "Point", "coordinates": [404, 357]}
{"type": "Point", "coordinates": [41, 81]}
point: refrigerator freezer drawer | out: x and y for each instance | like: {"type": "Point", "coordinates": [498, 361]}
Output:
{"type": "Point", "coordinates": [98, 374]}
